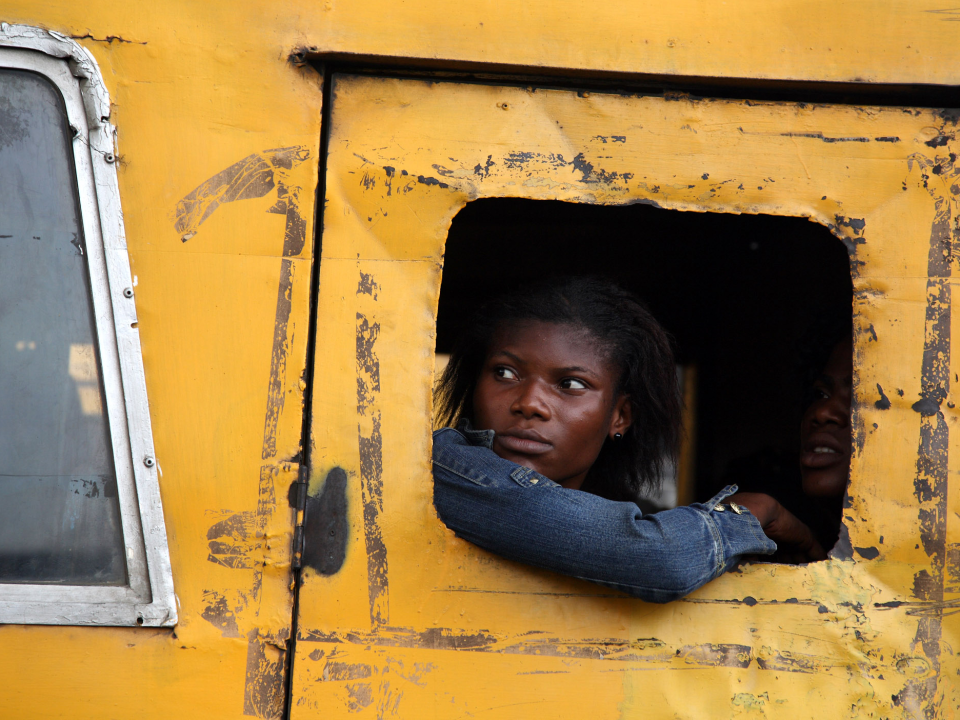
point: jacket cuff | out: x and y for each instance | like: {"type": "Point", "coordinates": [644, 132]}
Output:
{"type": "Point", "coordinates": [737, 534]}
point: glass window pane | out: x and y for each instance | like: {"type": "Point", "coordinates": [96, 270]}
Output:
{"type": "Point", "coordinates": [59, 510]}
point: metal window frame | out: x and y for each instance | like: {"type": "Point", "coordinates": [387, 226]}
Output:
{"type": "Point", "coordinates": [148, 599]}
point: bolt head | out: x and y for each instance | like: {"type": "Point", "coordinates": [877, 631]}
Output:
{"type": "Point", "coordinates": [149, 461]}
{"type": "Point", "coordinates": [128, 292]}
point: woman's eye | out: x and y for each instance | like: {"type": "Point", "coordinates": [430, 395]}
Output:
{"type": "Point", "coordinates": [505, 373]}
{"type": "Point", "coordinates": [572, 384]}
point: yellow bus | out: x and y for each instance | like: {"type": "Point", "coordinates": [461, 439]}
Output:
{"type": "Point", "coordinates": [237, 238]}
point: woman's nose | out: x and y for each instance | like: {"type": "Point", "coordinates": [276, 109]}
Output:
{"type": "Point", "coordinates": [833, 409]}
{"type": "Point", "coordinates": [530, 402]}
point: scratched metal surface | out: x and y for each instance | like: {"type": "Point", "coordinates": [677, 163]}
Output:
{"type": "Point", "coordinates": [420, 624]}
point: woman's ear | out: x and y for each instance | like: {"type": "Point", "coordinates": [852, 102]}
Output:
{"type": "Point", "coordinates": [622, 416]}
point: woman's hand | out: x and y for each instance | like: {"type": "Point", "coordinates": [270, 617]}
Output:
{"type": "Point", "coordinates": [795, 541]}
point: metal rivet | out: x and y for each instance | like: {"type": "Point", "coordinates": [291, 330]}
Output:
{"type": "Point", "coordinates": [719, 508]}
{"type": "Point", "coordinates": [534, 481]}
{"type": "Point", "coordinates": [109, 157]}
{"type": "Point", "coordinates": [736, 508]}
{"type": "Point", "coordinates": [128, 292]}
{"type": "Point", "coordinates": [149, 461]}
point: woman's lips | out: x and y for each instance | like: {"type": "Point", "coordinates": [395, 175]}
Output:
{"type": "Point", "coordinates": [524, 442]}
{"type": "Point", "coordinates": [822, 451]}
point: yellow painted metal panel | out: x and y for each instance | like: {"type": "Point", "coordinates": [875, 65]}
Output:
{"type": "Point", "coordinates": [871, 42]}
{"type": "Point", "coordinates": [206, 105]}
{"type": "Point", "coordinates": [421, 624]}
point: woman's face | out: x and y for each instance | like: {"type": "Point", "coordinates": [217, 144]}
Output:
{"type": "Point", "coordinates": [825, 438]}
{"type": "Point", "coordinates": [550, 396]}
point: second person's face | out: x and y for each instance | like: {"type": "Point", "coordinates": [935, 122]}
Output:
{"type": "Point", "coordinates": [549, 394]}
{"type": "Point", "coordinates": [825, 436]}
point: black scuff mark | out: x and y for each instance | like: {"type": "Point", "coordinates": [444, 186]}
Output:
{"type": "Point", "coordinates": [325, 525]}
{"type": "Point", "coordinates": [855, 224]}
{"type": "Point", "coordinates": [843, 549]}
{"type": "Point", "coordinates": [931, 483]}
{"type": "Point", "coordinates": [371, 483]}
{"type": "Point", "coordinates": [540, 644]}
{"type": "Point", "coordinates": [335, 671]}
{"type": "Point", "coordinates": [949, 115]}
{"type": "Point", "coordinates": [217, 612]}
{"type": "Point", "coordinates": [254, 177]}
{"type": "Point", "coordinates": [483, 171]}
{"type": "Point", "coordinates": [887, 139]}
{"type": "Point", "coordinates": [791, 662]}
{"type": "Point", "coordinates": [585, 168]}
{"type": "Point", "coordinates": [368, 366]}
{"type": "Point", "coordinates": [873, 333]}
{"type": "Point", "coordinates": [371, 469]}
{"type": "Point", "coordinates": [442, 171]}
{"type": "Point", "coordinates": [232, 542]}
{"type": "Point", "coordinates": [423, 180]}
{"type": "Point", "coordinates": [263, 695]}
{"type": "Point", "coordinates": [109, 39]}
{"type": "Point", "coordinates": [367, 285]}
{"type": "Point", "coordinates": [824, 138]}
{"type": "Point", "coordinates": [868, 553]}
{"type": "Point", "coordinates": [884, 402]}
{"type": "Point", "coordinates": [517, 160]}
{"type": "Point", "coordinates": [940, 140]}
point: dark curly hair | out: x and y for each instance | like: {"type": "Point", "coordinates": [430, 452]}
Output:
{"type": "Point", "coordinates": [632, 339]}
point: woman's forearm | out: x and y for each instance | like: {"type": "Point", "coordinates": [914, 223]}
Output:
{"type": "Point", "coordinates": [515, 513]}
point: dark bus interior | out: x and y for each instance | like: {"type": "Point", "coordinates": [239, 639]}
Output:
{"type": "Point", "coordinates": [737, 292]}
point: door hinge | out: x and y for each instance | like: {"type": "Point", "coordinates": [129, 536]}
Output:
{"type": "Point", "coordinates": [303, 477]}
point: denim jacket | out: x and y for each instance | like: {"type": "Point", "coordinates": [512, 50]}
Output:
{"type": "Point", "coordinates": [519, 514]}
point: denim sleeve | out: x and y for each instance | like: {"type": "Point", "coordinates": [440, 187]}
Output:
{"type": "Point", "coordinates": [514, 512]}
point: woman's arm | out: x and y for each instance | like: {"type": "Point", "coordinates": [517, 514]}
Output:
{"type": "Point", "coordinates": [518, 514]}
